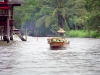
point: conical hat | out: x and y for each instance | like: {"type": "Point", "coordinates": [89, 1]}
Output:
{"type": "Point", "coordinates": [61, 30]}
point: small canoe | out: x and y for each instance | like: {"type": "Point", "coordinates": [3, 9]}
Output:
{"type": "Point", "coordinates": [58, 43]}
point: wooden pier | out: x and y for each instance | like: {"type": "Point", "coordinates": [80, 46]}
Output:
{"type": "Point", "coordinates": [7, 28]}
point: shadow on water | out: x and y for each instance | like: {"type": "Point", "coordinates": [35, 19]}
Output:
{"type": "Point", "coordinates": [34, 57]}
{"type": "Point", "coordinates": [4, 43]}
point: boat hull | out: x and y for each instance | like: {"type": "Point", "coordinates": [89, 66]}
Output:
{"type": "Point", "coordinates": [58, 43]}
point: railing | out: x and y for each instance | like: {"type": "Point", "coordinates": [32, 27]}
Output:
{"type": "Point", "coordinates": [3, 12]}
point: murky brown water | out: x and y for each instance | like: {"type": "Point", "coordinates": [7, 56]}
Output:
{"type": "Point", "coordinates": [33, 57]}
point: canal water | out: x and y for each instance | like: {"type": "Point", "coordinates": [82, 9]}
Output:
{"type": "Point", "coordinates": [34, 57]}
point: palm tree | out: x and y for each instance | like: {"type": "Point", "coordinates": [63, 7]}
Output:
{"type": "Point", "coordinates": [61, 10]}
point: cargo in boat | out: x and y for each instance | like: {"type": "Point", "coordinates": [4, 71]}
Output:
{"type": "Point", "coordinates": [57, 42]}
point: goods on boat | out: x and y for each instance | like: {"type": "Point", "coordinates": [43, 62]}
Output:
{"type": "Point", "coordinates": [57, 42]}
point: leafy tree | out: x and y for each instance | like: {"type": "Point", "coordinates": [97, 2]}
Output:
{"type": "Point", "coordinates": [25, 12]}
{"type": "Point", "coordinates": [61, 10]}
{"type": "Point", "coordinates": [93, 16]}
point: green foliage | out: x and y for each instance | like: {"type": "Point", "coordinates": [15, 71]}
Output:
{"type": "Point", "coordinates": [75, 13]}
{"type": "Point", "coordinates": [24, 12]}
{"type": "Point", "coordinates": [41, 21]}
{"type": "Point", "coordinates": [48, 21]}
{"type": "Point", "coordinates": [92, 21]}
{"type": "Point", "coordinates": [41, 31]}
{"type": "Point", "coordinates": [77, 33]}
{"type": "Point", "coordinates": [93, 5]}
{"type": "Point", "coordinates": [64, 8]}
{"type": "Point", "coordinates": [95, 34]}
{"type": "Point", "coordinates": [83, 34]}
{"type": "Point", "coordinates": [54, 28]}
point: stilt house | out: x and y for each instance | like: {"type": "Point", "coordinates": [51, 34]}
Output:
{"type": "Point", "coordinates": [7, 18]}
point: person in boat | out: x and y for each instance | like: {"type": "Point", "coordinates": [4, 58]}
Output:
{"type": "Point", "coordinates": [62, 33]}
{"type": "Point", "coordinates": [64, 36]}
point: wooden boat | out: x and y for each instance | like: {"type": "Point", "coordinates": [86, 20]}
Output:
{"type": "Point", "coordinates": [58, 43]}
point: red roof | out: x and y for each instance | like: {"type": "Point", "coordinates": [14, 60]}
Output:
{"type": "Point", "coordinates": [3, 3]}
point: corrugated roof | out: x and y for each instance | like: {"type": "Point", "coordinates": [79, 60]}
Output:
{"type": "Point", "coordinates": [1, 0]}
{"type": "Point", "coordinates": [16, 1]}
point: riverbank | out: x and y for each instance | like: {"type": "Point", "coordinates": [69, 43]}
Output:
{"type": "Point", "coordinates": [83, 34]}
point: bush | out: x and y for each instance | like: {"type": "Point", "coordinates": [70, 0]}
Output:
{"type": "Point", "coordinates": [83, 34]}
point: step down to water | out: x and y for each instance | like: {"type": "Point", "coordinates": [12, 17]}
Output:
{"type": "Point", "coordinates": [18, 33]}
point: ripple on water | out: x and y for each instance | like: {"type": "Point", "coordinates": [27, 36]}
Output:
{"type": "Point", "coordinates": [34, 57]}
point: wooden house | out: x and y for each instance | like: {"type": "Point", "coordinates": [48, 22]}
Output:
{"type": "Point", "coordinates": [7, 18]}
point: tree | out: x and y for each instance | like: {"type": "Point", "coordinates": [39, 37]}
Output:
{"type": "Point", "coordinates": [25, 12]}
{"type": "Point", "coordinates": [61, 10]}
{"type": "Point", "coordinates": [50, 13]}
{"type": "Point", "coordinates": [93, 16]}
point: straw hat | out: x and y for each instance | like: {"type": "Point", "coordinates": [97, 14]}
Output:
{"type": "Point", "coordinates": [61, 30]}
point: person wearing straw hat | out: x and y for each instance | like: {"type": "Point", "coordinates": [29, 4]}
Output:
{"type": "Point", "coordinates": [61, 32]}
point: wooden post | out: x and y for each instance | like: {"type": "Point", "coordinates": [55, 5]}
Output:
{"type": "Point", "coordinates": [1, 33]}
{"type": "Point", "coordinates": [6, 30]}
{"type": "Point", "coordinates": [26, 33]}
{"type": "Point", "coordinates": [11, 24]}
{"type": "Point", "coordinates": [8, 26]}
{"type": "Point", "coordinates": [11, 31]}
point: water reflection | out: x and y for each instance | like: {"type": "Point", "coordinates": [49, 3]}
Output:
{"type": "Point", "coordinates": [35, 58]}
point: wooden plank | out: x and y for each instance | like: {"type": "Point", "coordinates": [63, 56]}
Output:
{"type": "Point", "coordinates": [4, 15]}
{"type": "Point", "coordinates": [18, 33]}
{"type": "Point", "coordinates": [21, 37]}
